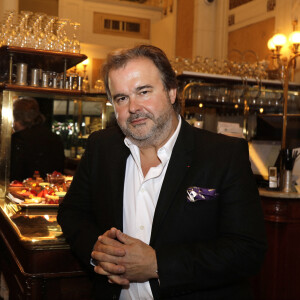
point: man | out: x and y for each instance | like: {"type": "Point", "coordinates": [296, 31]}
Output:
{"type": "Point", "coordinates": [33, 146]}
{"type": "Point", "coordinates": [172, 211]}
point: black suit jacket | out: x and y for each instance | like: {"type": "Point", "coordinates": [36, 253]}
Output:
{"type": "Point", "coordinates": [205, 249]}
{"type": "Point", "coordinates": [35, 149]}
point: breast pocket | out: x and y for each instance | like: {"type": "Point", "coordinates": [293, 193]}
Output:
{"type": "Point", "coordinates": [202, 215]}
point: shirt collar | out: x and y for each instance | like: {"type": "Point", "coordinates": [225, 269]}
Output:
{"type": "Point", "coordinates": [164, 152]}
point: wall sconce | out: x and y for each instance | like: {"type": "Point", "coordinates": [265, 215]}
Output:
{"type": "Point", "coordinates": [276, 43]}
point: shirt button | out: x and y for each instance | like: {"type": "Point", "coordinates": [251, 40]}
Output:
{"type": "Point", "coordinates": [142, 227]}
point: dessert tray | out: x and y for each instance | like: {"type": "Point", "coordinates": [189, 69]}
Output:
{"type": "Point", "coordinates": [23, 203]}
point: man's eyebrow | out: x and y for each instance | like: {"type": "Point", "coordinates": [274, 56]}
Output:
{"type": "Point", "coordinates": [147, 86]}
{"type": "Point", "coordinates": [139, 88]}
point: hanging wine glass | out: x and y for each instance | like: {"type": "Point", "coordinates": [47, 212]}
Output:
{"type": "Point", "coordinates": [50, 39]}
{"type": "Point", "coordinates": [8, 31]}
{"type": "Point", "coordinates": [63, 42]}
{"type": "Point", "coordinates": [37, 31]}
{"type": "Point", "coordinates": [25, 34]}
{"type": "Point", "coordinates": [74, 43]}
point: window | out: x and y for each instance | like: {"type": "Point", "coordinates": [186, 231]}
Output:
{"type": "Point", "coordinates": [121, 25]}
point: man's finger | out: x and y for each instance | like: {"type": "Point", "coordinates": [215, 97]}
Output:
{"type": "Point", "coordinates": [124, 238]}
{"type": "Point", "coordinates": [109, 246]}
{"type": "Point", "coordinates": [118, 280]}
{"type": "Point", "coordinates": [111, 233]}
{"type": "Point", "coordinates": [99, 270]}
{"type": "Point", "coordinates": [110, 268]}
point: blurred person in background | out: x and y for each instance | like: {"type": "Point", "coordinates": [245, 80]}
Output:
{"type": "Point", "coordinates": [33, 146]}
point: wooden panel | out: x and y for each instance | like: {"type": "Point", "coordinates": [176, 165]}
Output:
{"type": "Point", "coordinates": [185, 28]}
{"type": "Point", "coordinates": [253, 37]}
{"type": "Point", "coordinates": [279, 276]}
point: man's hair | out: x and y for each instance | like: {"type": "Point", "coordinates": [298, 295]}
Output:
{"type": "Point", "coordinates": [119, 58]}
{"type": "Point", "coordinates": [26, 111]}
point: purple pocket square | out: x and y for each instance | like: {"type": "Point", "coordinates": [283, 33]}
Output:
{"type": "Point", "coordinates": [195, 193]}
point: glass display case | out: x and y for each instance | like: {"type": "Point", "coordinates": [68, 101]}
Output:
{"type": "Point", "coordinates": [71, 117]}
{"type": "Point", "coordinates": [70, 112]}
{"type": "Point", "coordinates": [36, 262]}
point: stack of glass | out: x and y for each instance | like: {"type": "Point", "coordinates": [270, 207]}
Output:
{"type": "Point", "coordinates": [39, 31]}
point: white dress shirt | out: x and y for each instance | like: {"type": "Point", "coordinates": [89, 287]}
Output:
{"type": "Point", "coordinates": [140, 199]}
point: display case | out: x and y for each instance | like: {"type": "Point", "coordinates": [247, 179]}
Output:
{"type": "Point", "coordinates": [73, 117]}
{"type": "Point", "coordinates": [69, 111]}
{"type": "Point", "coordinates": [36, 262]}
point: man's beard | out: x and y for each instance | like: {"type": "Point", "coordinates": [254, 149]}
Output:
{"type": "Point", "coordinates": [156, 134]}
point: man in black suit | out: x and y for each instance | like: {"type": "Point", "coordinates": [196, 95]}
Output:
{"type": "Point", "coordinates": [172, 211]}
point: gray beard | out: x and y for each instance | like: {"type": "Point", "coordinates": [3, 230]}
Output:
{"type": "Point", "coordinates": [158, 133]}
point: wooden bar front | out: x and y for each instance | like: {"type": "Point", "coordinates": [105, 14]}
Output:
{"type": "Point", "coordinates": [280, 274]}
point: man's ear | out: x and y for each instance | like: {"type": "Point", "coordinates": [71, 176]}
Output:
{"type": "Point", "coordinates": [172, 94]}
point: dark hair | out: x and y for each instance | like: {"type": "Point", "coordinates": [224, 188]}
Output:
{"type": "Point", "coordinates": [119, 58]}
{"type": "Point", "coordinates": [26, 111]}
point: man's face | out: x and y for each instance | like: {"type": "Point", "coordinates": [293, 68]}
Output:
{"type": "Point", "coordinates": [143, 107]}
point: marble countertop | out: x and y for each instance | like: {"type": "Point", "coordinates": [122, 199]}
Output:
{"type": "Point", "coordinates": [278, 194]}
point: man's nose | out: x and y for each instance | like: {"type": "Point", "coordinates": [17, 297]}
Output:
{"type": "Point", "coordinates": [134, 104]}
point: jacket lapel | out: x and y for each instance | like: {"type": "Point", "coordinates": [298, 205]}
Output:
{"type": "Point", "coordinates": [177, 169]}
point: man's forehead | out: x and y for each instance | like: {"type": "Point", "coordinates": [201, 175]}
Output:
{"type": "Point", "coordinates": [137, 61]}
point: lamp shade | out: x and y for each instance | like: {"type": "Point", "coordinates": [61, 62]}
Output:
{"type": "Point", "coordinates": [86, 62]}
{"type": "Point", "coordinates": [271, 45]}
{"type": "Point", "coordinates": [279, 39]}
{"type": "Point", "coordinates": [294, 37]}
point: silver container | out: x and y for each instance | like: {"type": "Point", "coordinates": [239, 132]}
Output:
{"type": "Point", "coordinates": [35, 77]}
{"type": "Point", "coordinates": [71, 81]}
{"type": "Point", "coordinates": [45, 79]}
{"type": "Point", "coordinates": [54, 82]}
{"type": "Point", "coordinates": [287, 181]}
{"type": "Point", "coordinates": [79, 83]}
{"type": "Point", "coordinates": [21, 74]}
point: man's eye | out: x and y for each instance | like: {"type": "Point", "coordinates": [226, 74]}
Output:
{"type": "Point", "coordinates": [145, 92]}
{"type": "Point", "coordinates": [121, 99]}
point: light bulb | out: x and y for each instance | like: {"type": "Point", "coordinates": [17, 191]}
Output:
{"type": "Point", "coordinates": [271, 45]}
{"type": "Point", "coordinates": [294, 37]}
{"type": "Point", "coordinates": [279, 39]}
{"type": "Point", "coordinates": [86, 62]}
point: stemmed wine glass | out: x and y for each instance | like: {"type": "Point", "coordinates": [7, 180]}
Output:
{"type": "Point", "coordinates": [25, 39]}
{"type": "Point", "coordinates": [63, 42]}
{"type": "Point", "coordinates": [37, 32]}
{"type": "Point", "coordinates": [74, 42]}
{"type": "Point", "coordinates": [50, 39]}
{"type": "Point", "coordinates": [8, 31]}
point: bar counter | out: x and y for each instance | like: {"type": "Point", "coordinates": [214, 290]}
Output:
{"type": "Point", "coordinates": [280, 273]}
{"type": "Point", "coordinates": [35, 259]}
{"type": "Point", "coordinates": [37, 262]}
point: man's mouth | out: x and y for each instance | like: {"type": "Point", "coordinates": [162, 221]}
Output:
{"type": "Point", "coordinates": [137, 121]}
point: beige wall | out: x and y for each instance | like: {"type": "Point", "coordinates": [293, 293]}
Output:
{"type": "Point", "coordinates": [252, 37]}
{"type": "Point", "coordinates": [185, 28]}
